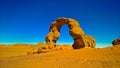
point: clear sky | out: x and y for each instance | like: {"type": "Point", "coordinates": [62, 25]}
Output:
{"type": "Point", "coordinates": [28, 21]}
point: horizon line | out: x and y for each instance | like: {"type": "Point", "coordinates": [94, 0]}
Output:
{"type": "Point", "coordinates": [98, 45]}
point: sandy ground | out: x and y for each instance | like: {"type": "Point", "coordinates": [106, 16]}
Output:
{"type": "Point", "coordinates": [16, 57]}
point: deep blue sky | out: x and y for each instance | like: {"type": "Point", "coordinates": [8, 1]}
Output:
{"type": "Point", "coordinates": [28, 21]}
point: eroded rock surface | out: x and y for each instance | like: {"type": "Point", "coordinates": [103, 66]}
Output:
{"type": "Point", "coordinates": [81, 40]}
{"type": "Point", "coordinates": [116, 42]}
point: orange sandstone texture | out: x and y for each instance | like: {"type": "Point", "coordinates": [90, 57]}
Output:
{"type": "Point", "coordinates": [81, 40]}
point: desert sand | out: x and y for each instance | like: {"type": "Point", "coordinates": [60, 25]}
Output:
{"type": "Point", "coordinates": [16, 57]}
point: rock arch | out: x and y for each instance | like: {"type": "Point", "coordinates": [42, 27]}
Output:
{"type": "Point", "coordinates": [81, 40]}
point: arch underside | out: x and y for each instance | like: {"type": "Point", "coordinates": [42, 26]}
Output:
{"type": "Point", "coordinates": [81, 40]}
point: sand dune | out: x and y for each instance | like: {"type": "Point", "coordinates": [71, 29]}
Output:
{"type": "Point", "coordinates": [16, 57]}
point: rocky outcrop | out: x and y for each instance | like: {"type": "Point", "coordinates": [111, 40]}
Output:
{"type": "Point", "coordinates": [81, 40]}
{"type": "Point", "coordinates": [116, 42]}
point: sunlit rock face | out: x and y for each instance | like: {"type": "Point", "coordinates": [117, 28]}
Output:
{"type": "Point", "coordinates": [81, 40]}
{"type": "Point", "coordinates": [116, 42]}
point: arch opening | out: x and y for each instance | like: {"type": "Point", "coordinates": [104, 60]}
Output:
{"type": "Point", "coordinates": [65, 37]}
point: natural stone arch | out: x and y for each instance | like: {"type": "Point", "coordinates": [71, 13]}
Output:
{"type": "Point", "coordinates": [81, 40]}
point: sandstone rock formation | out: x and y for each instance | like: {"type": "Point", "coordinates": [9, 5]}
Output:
{"type": "Point", "coordinates": [81, 40]}
{"type": "Point", "coordinates": [39, 48]}
{"type": "Point", "coordinates": [116, 42]}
